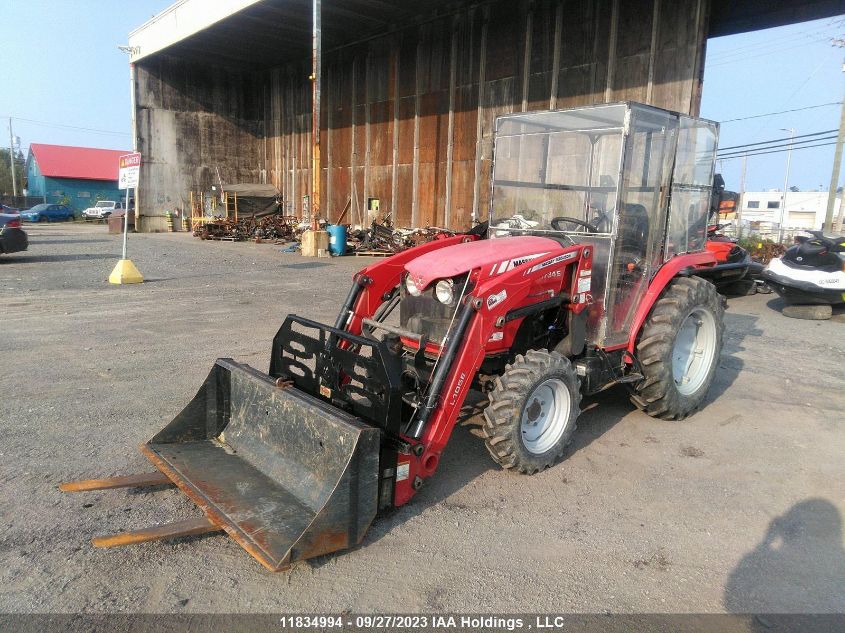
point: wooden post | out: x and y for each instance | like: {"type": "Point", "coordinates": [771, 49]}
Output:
{"type": "Point", "coordinates": [353, 159]}
{"type": "Point", "coordinates": [450, 141]}
{"type": "Point", "coordinates": [652, 53]}
{"type": "Point", "coordinates": [611, 51]}
{"type": "Point", "coordinates": [329, 134]}
{"type": "Point", "coordinates": [556, 55]}
{"type": "Point", "coordinates": [316, 61]}
{"type": "Point", "coordinates": [367, 97]}
{"type": "Point", "coordinates": [415, 198]}
{"type": "Point", "coordinates": [526, 61]}
{"type": "Point", "coordinates": [479, 122]}
{"type": "Point", "coordinates": [394, 178]}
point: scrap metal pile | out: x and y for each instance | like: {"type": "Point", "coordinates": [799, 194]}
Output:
{"type": "Point", "coordinates": [383, 239]}
{"type": "Point", "coordinates": [276, 227]}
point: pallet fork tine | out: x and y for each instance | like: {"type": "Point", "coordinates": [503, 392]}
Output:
{"type": "Point", "coordinates": [190, 527]}
{"type": "Point", "coordinates": [123, 481]}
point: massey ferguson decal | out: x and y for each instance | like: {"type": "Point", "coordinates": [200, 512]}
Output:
{"type": "Point", "coordinates": [510, 264]}
{"type": "Point", "coordinates": [551, 262]}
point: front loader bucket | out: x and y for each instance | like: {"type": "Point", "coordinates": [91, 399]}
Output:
{"type": "Point", "coordinates": [283, 473]}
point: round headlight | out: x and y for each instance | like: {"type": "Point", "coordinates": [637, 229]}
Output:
{"type": "Point", "coordinates": [413, 290]}
{"type": "Point", "coordinates": [444, 291]}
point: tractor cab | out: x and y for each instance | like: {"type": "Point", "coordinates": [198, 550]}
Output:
{"type": "Point", "coordinates": [632, 180]}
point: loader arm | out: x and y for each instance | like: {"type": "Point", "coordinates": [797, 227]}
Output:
{"type": "Point", "coordinates": [373, 284]}
{"type": "Point", "coordinates": [491, 305]}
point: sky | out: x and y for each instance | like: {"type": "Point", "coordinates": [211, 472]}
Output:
{"type": "Point", "coordinates": [779, 69]}
{"type": "Point", "coordinates": [60, 66]}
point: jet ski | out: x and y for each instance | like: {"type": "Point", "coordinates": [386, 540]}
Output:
{"type": "Point", "coordinates": [735, 273]}
{"type": "Point", "coordinates": [810, 272]}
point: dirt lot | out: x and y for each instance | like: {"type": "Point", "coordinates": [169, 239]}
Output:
{"type": "Point", "coordinates": [737, 509]}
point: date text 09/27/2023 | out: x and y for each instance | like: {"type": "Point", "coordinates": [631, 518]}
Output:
{"type": "Point", "coordinates": [421, 622]}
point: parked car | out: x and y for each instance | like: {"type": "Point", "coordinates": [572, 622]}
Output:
{"type": "Point", "coordinates": [12, 237]}
{"type": "Point", "coordinates": [5, 208]}
{"type": "Point", "coordinates": [47, 213]}
{"type": "Point", "coordinates": [102, 210]}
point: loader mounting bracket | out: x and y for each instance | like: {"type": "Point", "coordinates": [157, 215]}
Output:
{"type": "Point", "coordinates": [357, 374]}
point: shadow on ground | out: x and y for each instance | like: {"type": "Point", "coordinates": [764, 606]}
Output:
{"type": "Point", "coordinates": [466, 458]}
{"type": "Point", "coordinates": [801, 548]}
{"type": "Point", "coordinates": [32, 259]}
{"type": "Point", "coordinates": [51, 241]}
{"type": "Point", "coordinates": [738, 327]}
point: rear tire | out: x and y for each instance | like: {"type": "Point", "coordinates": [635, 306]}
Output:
{"type": "Point", "coordinates": [532, 412]}
{"type": "Point", "coordinates": [679, 349]}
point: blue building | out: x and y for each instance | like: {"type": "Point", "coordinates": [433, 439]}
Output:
{"type": "Point", "coordinates": [75, 176]}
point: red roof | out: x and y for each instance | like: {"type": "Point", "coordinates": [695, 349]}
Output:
{"type": "Point", "coordinates": [64, 161]}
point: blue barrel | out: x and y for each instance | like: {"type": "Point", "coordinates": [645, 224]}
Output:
{"type": "Point", "coordinates": [337, 238]}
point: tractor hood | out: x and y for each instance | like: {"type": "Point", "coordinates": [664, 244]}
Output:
{"type": "Point", "coordinates": [496, 255]}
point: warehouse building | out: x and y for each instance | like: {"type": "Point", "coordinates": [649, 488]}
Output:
{"type": "Point", "coordinates": [407, 92]}
{"type": "Point", "coordinates": [75, 176]}
{"type": "Point", "coordinates": [804, 209]}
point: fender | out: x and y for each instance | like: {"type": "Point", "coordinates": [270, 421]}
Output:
{"type": "Point", "coordinates": [671, 269]}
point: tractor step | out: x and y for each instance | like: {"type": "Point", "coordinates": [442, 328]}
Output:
{"type": "Point", "coordinates": [629, 378]}
{"type": "Point", "coordinates": [191, 527]}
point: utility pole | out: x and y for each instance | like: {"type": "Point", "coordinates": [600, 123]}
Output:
{"type": "Point", "coordinates": [837, 228]}
{"type": "Point", "coordinates": [741, 197]}
{"type": "Point", "coordinates": [834, 175]}
{"type": "Point", "coordinates": [785, 183]}
{"type": "Point", "coordinates": [12, 159]}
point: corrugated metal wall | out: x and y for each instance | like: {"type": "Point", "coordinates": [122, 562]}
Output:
{"type": "Point", "coordinates": [408, 117]}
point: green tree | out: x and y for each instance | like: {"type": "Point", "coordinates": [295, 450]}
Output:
{"type": "Point", "coordinates": [6, 172]}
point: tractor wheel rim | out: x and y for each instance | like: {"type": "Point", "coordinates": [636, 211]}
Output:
{"type": "Point", "coordinates": [545, 415]}
{"type": "Point", "coordinates": [694, 351]}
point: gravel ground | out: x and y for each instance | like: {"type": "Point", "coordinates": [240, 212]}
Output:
{"type": "Point", "coordinates": [737, 509]}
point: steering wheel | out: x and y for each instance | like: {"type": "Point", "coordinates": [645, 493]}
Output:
{"type": "Point", "coordinates": [555, 222]}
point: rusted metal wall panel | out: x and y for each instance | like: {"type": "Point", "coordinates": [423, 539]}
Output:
{"type": "Point", "coordinates": [193, 124]}
{"type": "Point", "coordinates": [408, 117]}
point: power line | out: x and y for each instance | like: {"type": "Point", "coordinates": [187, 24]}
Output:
{"type": "Point", "coordinates": [830, 137]}
{"type": "Point", "coordinates": [807, 38]}
{"type": "Point", "coordinates": [777, 151]}
{"type": "Point", "coordinates": [70, 127]}
{"type": "Point", "coordinates": [739, 58]}
{"type": "Point", "coordinates": [795, 37]}
{"type": "Point", "coordinates": [745, 150]}
{"type": "Point", "coordinates": [778, 140]}
{"type": "Point", "coordinates": [758, 116]}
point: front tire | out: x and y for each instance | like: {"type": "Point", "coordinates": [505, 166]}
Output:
{"type": "Point", "coordinates": [679, 349]}
{"type": "Point", "coordinates": [532, 412]}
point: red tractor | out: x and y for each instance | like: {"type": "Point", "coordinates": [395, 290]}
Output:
{"type": "Point", "coordinates": [585, 277]}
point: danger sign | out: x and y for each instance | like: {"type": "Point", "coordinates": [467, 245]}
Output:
{"type": "Point", "coordinates": [129, 168]}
